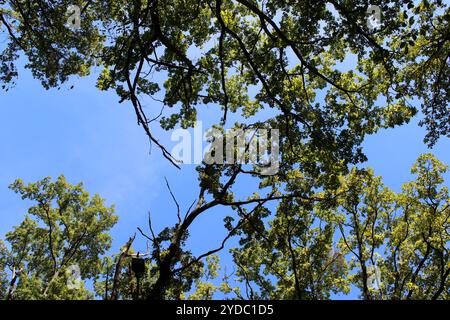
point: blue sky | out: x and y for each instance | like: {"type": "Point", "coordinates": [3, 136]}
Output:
{"type": "Point", "coordinates": [88, 136]}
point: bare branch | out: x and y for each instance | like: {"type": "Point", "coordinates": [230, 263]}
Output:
{"type": "Point", "coordinates": [174, 199]}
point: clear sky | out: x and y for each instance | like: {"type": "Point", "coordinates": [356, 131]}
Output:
{"type": "Point", "coordinates": [88, 136]}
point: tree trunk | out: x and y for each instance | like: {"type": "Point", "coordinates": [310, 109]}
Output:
{"type": "Point", "coordinates": [12, 284]}
{"type": "Point", "coordinates": [123, 255]}
{"type": "Point", "coordinates": [55, 275]}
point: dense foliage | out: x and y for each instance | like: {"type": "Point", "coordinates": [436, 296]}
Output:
{"type": "Point", "coordinates": [65, 227]}
{"type": "Point", "coordinates": [314, 70]}
{"type": "Point", "coordinates": [388, 245]}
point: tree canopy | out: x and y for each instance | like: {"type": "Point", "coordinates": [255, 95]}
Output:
{"type": "Point", "coordinates": [64, 227]}
{"type": "Point", "coordinates": [248, 55]}
{"type": "Point", "coordinates": [389, 245]}
{"type": "Point", "coordinates": [315, 71]}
